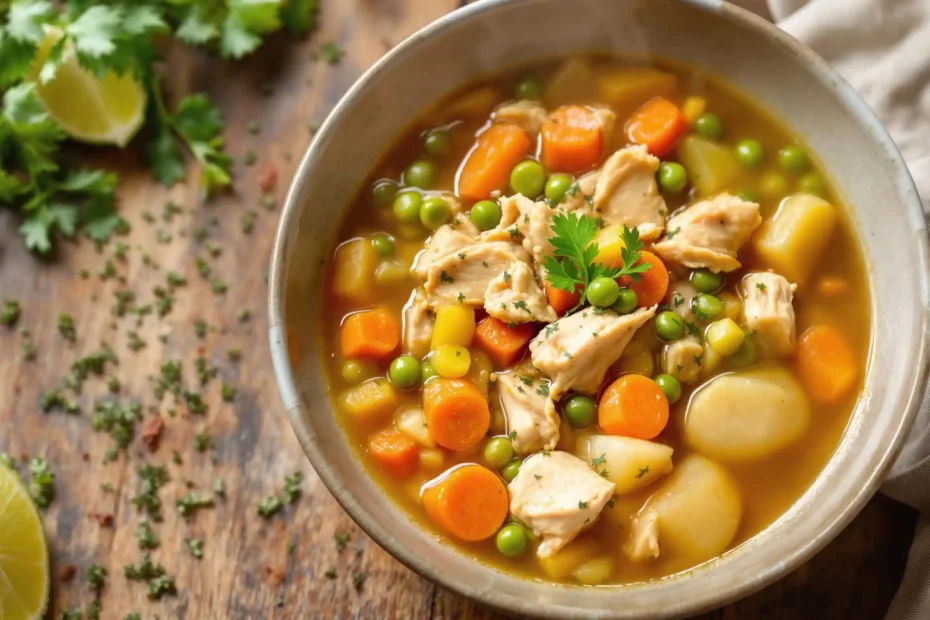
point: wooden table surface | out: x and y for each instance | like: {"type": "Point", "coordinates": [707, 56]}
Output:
{"type": "Point", "coordinates": [247, 570]}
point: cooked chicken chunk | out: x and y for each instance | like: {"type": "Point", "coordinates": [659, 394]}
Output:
{"type": "Point", "coordinates": [512, 207]}
{"type": "Point", "coordinates": [532, 425]}
{"type": "Point", "coordinates": [682, 359]}
{"type": "Point", "coordinates": [679, 299]}
{"type": "Point", "coordinates": [556, 495]}
{"type": "Point", "coordinates": [535, 226]}
{"type": "Point", "coordinates": [445, 241]}
{"type": "Point", "coordinates": [418, 324]}
{"type": "Point", "coordinates": [710, 233]}
{"type": "Point", "coordinates": [529, 115]}
{"type": "Point", "coordinates": [643, 543]}
{"type": "Point", "coordinates": [515, 297]}
{"type": "Point", "coordinates": [626, 192]}
{"type": "Point", "coordinates": [767, 306]}
{"type": "Point", "coordinates": [576, 351]}
{"type": "Point", "coordinates": [581, 200]}
{"type": "Point", "coordinates": [608, 120]}
{"type": "Point", "coordinates": [463, 277]}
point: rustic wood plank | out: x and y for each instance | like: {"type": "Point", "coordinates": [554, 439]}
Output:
{"type": "Point", "coordinates": [247, 566]}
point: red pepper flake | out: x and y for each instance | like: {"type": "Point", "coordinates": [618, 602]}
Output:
{"type": "Point", "coordinates": [151, 433]}
{"type": "Point", "coordinates": [269, 179]}
{"type": "Point", "coordinates": [67, 573]}
{"type": "Point", "coordinates": [105, 519]}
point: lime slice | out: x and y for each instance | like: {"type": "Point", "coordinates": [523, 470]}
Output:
{"type": "Point", "coordinates": [24, 576]}
{"type": "Point", "coordinates": [107, 110]}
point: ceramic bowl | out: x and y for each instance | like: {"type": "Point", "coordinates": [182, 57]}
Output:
{"type": "Point", "coordinates": [781, 74]}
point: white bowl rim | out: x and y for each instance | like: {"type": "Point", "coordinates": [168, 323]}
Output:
{"type": "Point", "coordinates": [792, 559]}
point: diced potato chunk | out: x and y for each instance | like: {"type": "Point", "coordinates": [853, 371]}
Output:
{"type": "Point", "coordinates": [455, 325]}
{"type": "Point", "coordinates": [451, 361]}
{"type": "Point", "coordinates": [432, 459]}
{"type": "Point", "coordinates": [629, 463]}
{"type": "Point", "coordinates": [569, 558]}
{"type": "Point", "coordinates": [747, 416]}
{"type": "Point", "coordinates": [391, 273]}
{"type": "Point", "coordinates": [594, 572]}
{"type": "Point", "coordinates": [354, 271]}
{"type": "Point", "coordinates": [642, 363]}
{"type": "Point", "coordinates": [699, 510]}
{"type": "Point", "coordinates": [792, 241]}
{"type": "Point", "coordinates": [631, 87]}
{"type": "Point", "coordinates": [412, 423]}
{"type": "Point", "coordinates": [725, 336]}
{"type": "Point", "coordinates": [693, 107]}
{"type": "Point", "coordinates": [574, 81]}
{"type": "Point", "coordinates": [732, 305]}
{"type": "Point", "coordinates": [370, 401]}
{"type": "Point", "coordinates": [711, 167]}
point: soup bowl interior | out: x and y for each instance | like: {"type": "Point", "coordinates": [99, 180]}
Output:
{"type": "Point", "coordinates": [747, 53]}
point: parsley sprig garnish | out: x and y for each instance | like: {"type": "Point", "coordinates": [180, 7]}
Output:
{"type": "Point", "coordinates": [573, 265]}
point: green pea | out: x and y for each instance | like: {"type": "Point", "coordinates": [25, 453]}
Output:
{"type": "Point", "coordinates": [485, 214]}
{"type": "Point", "coordinates": [436, 142]}
{"type": "Point", "coordinates": [671, 177]}
{"type": "Point", "coordinates": [748, 195]}
{"type": "Point", "coordinates": [669, 326]}
{"type": "Point", "coordinates": [510, 472]}
{"type": "Point", "coordinates": [383, 192]}
{"type": "Point", "coordinates": [420, 173]}
{"type": "Point", "coordinates": [511, 540]}
{"type": "Point", "coordinates": [707, 307]}
{"type": "Point", "coordinates": [383, 244]}
{"type": "Point", "coordinates": [812, 183]}
{"type": "Point", "coordinates": [528, 178]}
{"type": "Point", "coordinates": [427, 371]}
{"type": "Point", "coordinates": [626, 301]}
{"type": "Point", "coordinates": [745, 354]}
{"type": "Point", "coordinates": [498, 452]}
{"type": "Point", "coordinates": [579, 410]}
{"type": "Point", "coordinates": [354, 372]}
{"type": "Point", "coordinates": [404, 372]}
{"type": "Point", "coordinates": [792, 159]}
{"type": "Point", "coordinates": [773, 185]}
{"type": "Point", "coordinates": [749, 153]}
{"type": "Point", "coordinates": [407, 207]}
{"type": "Point", "coordinates": [434, 212]}
{"type": "Point", "coordinates": [706, 280]}
{"type": "Point", "coordinates": [709, 125]}
{"type": "Point", "coordinates": [670, 386]}
{"type": "Point", "coordinates": [557, 186]}
{"type": "Point", "coordinates": [603, 292]}
{"type": "Point", "coordinates": [528, 87]}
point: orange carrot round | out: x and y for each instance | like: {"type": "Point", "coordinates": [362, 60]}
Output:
{"type": "Point", "coordinates": [469, 502]}
{"type": "Point", "coordinates": [561, 301]}
{"type": "Point", "coordinates": [503, 343]}
{"type": "Point", "coordinates": [487, 167]}
{"type": "Point", "coordinates": [396, 453]}
{"type": "Point", "coordinates": [369, 334]}
{"type": "Point", "coordinates": [634, 406]}
{"type": "Point", "coordinates": [827, 364]}
{"type": "Point", "coordinates": [658, 124]}
{"type": "Point", "coordinates": [572, 140]}
{"type": "Point", "coordinates": [653, 283]}
{"type": "Point", "coordinates": [457, 413]}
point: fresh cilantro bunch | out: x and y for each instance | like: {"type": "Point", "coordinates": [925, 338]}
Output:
{"type": "Point", "coordinates": [118, 36]}
{"type": "Point", "coordinates": [573, 266]}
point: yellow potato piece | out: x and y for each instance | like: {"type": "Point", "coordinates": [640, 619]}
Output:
{"type": "Point", "coordinates": [451, 361]}
{"type": "Point", "coordinates": [711, 166]}
{"type": "Point", "coordinates": [792, 241]}
{"type": "Point", "coordinates": [370, 401]}
{"type": "Point", "coordinates": [569, 558]}
{"type": "Point", "coordinates": [629, 88]}
{"type": "Point", "coordinates": [455, 325]}
{"type": "Point", "coordinates": [354, 271]}
{"type": "Point", "coordinates": [594, 572]}
{"type": "Point", "coordinates": [629, 463]}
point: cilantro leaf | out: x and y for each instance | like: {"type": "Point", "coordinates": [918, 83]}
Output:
{"type": "Point", "coordinates": [299, 16]}
{"type": "Point", "coordinates": [94, 31]}
{"type": "Point", "coordinates": [246, 21]}
{"type": "Point", "coordinates": [630, 254]}
{"type": "Point", "coordinates": [196, 29]}
{"type": "Point", "coordinates": [25, 20]}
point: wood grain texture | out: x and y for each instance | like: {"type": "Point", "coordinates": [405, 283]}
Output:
{"type": "Point", "coordinates": [246, 566]}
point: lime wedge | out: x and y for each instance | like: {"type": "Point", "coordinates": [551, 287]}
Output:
{"type": "Point", "coordinates": [107, 110]}
{"type": "Point", "coordinates": [24, 578]}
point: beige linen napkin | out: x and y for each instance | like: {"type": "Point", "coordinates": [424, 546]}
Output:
{"type": "Point", "coordinates": [882, 48]}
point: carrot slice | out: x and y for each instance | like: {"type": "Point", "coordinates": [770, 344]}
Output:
{"type": "Point", "coordinates": [396, 453]}
{"type": "Point", "coordinates": [487, 167]}
{"type": "Point", "coordinates": [657, 124]}
{"type": "Point", "coordinates": [469, 502]}
{"type": "Point", "coordinates": [827, 364]}
{"type": "Point", "coordinates": [572, 140]}
{"type": "Point", "coordinates": [371, 333]}
{"type": "Point", "coordinates": [456, 411]}
{"type": "Point", "coordinates": [562, 301]}
{"type": "Point", "coordinates": [502, 342]}
{"type": "Point", "coordinates": [653, 283]}
{"type": "Point", "coordinates": [634, 406]}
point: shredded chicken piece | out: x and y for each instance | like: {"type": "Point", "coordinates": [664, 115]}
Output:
{"type": "Point", "coordinates": [643, 543]}
{"type": "Point", "coordinates": [529, 115]}
{"type": "Point", "coordinates": [515, 297]}
{"type": "Point", "coordinates": [463, 277]}
{"type": "Point", "coordinates": [445, 241]}
{"type": "Point", "coordinates": [418, 324]}
{"type": "Point", "coordinates": [531, 424]}
{"type": "Point", "coordinates": [682, 359]}
{"type": "Point", "coordinates": [767, 306]}
{"type": "Point", "coordinates": [626, 192]}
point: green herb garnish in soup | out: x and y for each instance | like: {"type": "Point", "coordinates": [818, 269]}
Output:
{"type": "Point", "coordinates": [599, 333]}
